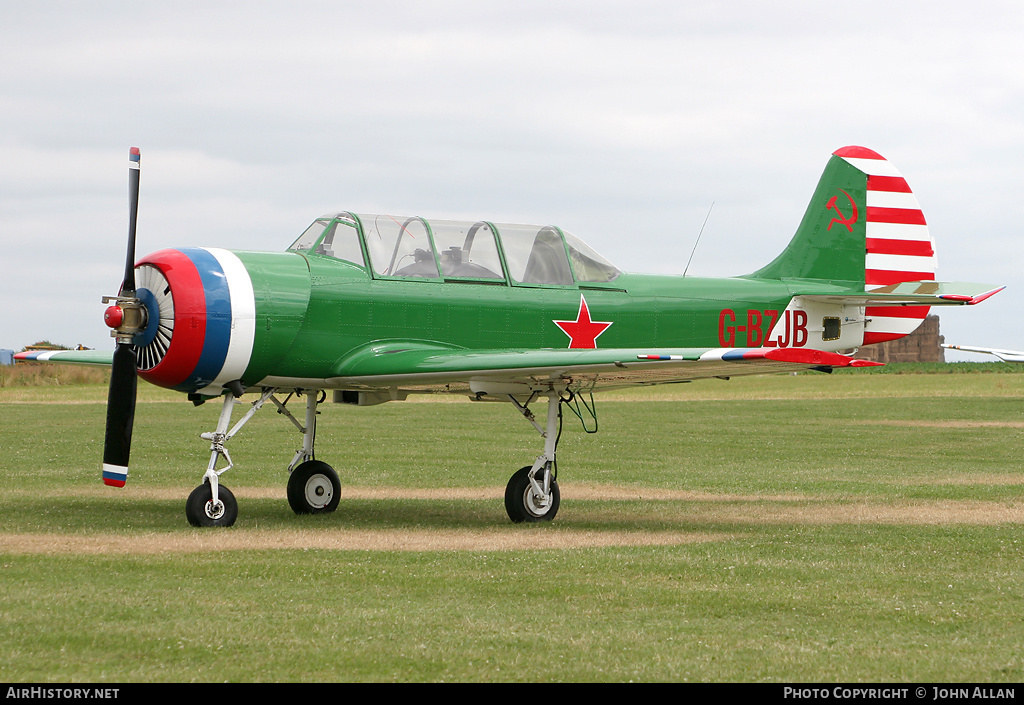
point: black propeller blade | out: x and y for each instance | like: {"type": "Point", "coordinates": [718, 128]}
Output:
{"type": "Point", "coordinates": [123, 381]}
{"type": "Point", "coordinates": [120, 416]}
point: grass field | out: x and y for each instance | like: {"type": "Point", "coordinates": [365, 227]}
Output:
{"type": "Point", "coordinates": [809, 528]}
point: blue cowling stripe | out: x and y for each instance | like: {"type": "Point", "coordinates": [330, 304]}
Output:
{"type": "Point", "coordinates": [218, 319]}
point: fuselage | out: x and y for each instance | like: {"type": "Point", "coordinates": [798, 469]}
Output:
{"type": "Point", "coordinates": [302, 314]}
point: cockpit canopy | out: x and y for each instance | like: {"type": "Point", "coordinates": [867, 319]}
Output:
{"type": "Point", "coordinates": [411, 247]}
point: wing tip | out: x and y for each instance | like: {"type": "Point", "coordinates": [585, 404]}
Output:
{"type": "Point", "coordinates": [971, 300]}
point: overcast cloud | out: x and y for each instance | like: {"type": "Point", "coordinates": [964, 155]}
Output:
{"type": "Point", "coordinates": [622, 122]}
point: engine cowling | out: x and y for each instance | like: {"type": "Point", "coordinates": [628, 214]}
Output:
{"type": "Point", "coordinates": [202, 311]}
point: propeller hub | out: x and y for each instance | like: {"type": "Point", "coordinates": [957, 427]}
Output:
{"type": "Point", "coordinates": [113, 316]}
{"type": "Point", "coordinates": [126, 315]}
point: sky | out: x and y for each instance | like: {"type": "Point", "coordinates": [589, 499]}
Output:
{"type": "Point", "coordinates": [625, 123]}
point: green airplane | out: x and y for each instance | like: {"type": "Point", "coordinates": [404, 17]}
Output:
{"type": "Point", "coordinates": [374, 308]}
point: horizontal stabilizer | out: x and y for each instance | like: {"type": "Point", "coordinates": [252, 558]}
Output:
{"type": "Point", "coordinates": [920, 293]}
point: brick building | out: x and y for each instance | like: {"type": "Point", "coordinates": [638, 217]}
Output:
{"type": "Point", "coordinates": [920, 346]}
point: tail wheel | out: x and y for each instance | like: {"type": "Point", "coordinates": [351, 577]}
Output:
{"type": "Point", "coordinates": [201, 510]}
{"type": "Point", "coordinates": [524, 504]}
{"type": "Point", "coordinates": [313, 488]}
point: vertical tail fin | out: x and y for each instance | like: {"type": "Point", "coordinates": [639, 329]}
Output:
{"type": "Point", "coordinates": [862, 230]}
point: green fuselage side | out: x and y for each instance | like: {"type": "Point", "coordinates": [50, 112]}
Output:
{"type": "Point", "coordinates": [308, 320]}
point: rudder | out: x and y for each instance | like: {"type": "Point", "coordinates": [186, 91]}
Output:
{"type": "Point", "coordinates": [898, 246]}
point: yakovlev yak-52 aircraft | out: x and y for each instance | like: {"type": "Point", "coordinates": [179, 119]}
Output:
{"type": "Point", "coordinates": [377, 307]}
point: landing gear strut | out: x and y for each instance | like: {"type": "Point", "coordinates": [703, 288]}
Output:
{"type": "Point", "coordinates": [532, 494]}
{"type": "Point", "coordinates": [313, 486]}
{"type": "Point", "coordinates": [210, 504]}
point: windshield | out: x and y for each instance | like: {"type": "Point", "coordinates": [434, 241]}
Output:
{"type": "Point", "coordinates": [311, 234]}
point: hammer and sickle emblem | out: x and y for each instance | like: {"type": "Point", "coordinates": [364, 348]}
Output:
{"type": "Point", "coordinates": [842, 219]}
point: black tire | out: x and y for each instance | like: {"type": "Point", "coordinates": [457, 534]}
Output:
{"type": "Point", "coordinates": [519, 500]}
{"type": "Point", "coordinates": [313, 488]}
{"type": "Point", "coordinates": [200, 510]}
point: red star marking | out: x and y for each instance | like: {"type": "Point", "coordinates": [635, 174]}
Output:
{"type": "Point", "coordinates": [583, 332]}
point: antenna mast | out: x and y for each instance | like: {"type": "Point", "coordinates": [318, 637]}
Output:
{"type": "Point", "coordinates": [698, 238]}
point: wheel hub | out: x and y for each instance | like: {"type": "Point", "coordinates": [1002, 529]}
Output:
{"type": "Point", "coordinates": [537, 504]}
{"type": "Point", "coordinates": [319, 491]}
{"type": "Point", "coordinates": [214, 510]}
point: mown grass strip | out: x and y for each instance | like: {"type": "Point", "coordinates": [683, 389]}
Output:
{"type": "Point", "coordinates": [862, 529]}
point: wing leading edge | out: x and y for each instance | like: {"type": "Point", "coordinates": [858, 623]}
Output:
{"type": "Point", "coordinates": [93, 358]}
{"type": "Point", "coordinates": [423, 367]}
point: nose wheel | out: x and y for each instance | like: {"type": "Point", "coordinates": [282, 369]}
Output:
{"type": "Point", "coordinates": [201, 509]}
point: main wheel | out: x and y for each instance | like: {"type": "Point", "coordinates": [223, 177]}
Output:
{"type": "Point", "coordinates": [523, 504]}
{"type": "Point", "coordinates": [201, 510]}
{"type": "Point", "coordinates": [313, 488]}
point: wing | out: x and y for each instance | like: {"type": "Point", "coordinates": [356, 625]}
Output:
{"type": "Point", "coordinates": [94, 358]}
{"type": "Point", "coordinates": [422, 367]}
{"type": "Point", "coordinates": [1004, 355]}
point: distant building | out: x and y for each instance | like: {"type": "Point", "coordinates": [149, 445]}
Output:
{"type": "Point", "coordinates": [6, 357]}
{"type": "Point", "coordinates": [920, 346]}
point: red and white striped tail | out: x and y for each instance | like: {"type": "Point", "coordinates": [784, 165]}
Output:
{"type": "Point", "coordinates": [899, 247]}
